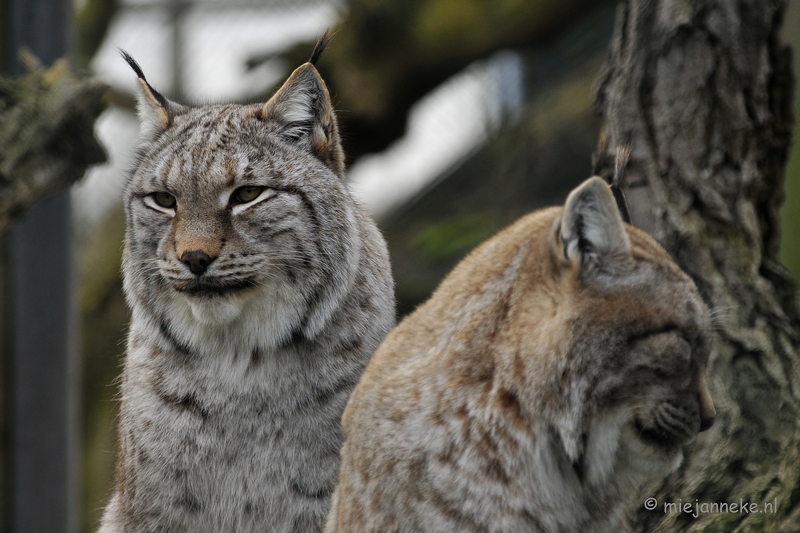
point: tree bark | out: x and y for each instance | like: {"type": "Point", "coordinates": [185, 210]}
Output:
{"type": "Point", "coordinates": [703, 92]}
{"type": "Point", "coordinates": [46, 134]}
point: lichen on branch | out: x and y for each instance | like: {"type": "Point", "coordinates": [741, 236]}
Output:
{"type": "Point", "coordinates": [47, 139]}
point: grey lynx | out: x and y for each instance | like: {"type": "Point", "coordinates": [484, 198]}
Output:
{"type": "Point", "coordinates": [258, 291]}
{"type": "Point", "coordinates": [556, 369]}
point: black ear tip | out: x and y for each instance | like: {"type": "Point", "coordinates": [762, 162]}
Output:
{"type": "Point", "coordinates": [599, 156]}
{"type": "Point", "coordinates": [138, 70]}
{"type": "Point", "coordinates": [621, 163]}
{"type": "Point", "coordinates": [132, 63]}
{"type": "Point", "coordinates": [322, 44]}
{"type": "Point", "coordinates": [623, 157]}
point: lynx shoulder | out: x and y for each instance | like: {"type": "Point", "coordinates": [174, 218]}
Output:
{"type": "Point", "coordinates": [258, 291]}
{"type": "Point", "coordinates": [555, 370]}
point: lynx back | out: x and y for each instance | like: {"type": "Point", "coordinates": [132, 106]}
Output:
{"type": "Point", "coordinates": [258, 292]}
{"type": "Point", "coordinates": [555, 370]}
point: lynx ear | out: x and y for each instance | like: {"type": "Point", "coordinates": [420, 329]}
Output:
{"type": "Point", "coordinates": [302, 111]}
{"type": "Point", "coordinates": [592, 233]}
{"type": "Point", "coordinates": [155, 111]}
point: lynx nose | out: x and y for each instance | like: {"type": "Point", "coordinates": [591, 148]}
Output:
{"type": "Point", "coordinates": [706, 423]}
{"type": "Point", "coordinates": [197, 261]}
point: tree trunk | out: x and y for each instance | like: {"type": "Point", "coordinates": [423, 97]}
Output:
{"type": "Point", "coordinates": [703, 92]}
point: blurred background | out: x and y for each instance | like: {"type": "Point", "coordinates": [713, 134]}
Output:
{"type": "Point", "coordinates": [458, 116]}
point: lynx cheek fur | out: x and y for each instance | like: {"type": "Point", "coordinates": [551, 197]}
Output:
{"type": "Point", "coordinates": [556, 369]}
{"type": "Point", "coordinates": [258, 291]}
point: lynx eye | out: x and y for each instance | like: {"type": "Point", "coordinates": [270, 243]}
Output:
{"type": "Point", "coordinates": [243, 195]}
{"type": "Point", "coordinates": [164, 199]}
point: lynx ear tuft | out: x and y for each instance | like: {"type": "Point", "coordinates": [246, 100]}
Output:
{"type": "Point", "coordinates": [623, 157]}
{"type": "Point", "coordinates": [155, 111]}
{"type": "Point", "coordinates": [302, 111]}
{"type": "Point", "coordinates": [592, 233]}
{"type": "Point", "coordinates": [322, 44]}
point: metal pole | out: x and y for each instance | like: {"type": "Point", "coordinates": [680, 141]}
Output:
{"type": "Point", "coordinates": [42, 370]}
{"type": "Point", "coordinates": [176, 10]}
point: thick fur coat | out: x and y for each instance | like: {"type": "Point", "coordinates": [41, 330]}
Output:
{"type": "Point", "coordinates": [258, 291]}
{"type": "Point", "coordinates": [555, 370]}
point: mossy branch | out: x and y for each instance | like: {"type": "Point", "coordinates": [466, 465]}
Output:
{"type": "Point", "coordinates": [47, 137]}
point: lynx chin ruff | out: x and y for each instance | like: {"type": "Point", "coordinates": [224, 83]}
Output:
{"type": "Point", "coordinates": [557, 368]}
{"type": "Point", "coordinates": [258, 292]}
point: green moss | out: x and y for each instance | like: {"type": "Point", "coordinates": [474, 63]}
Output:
{"type": "Point", "coordinates": [790, 213]}
{"type": "Point", "coordinates": [454, 235]}
{"type": "Point", "coordinates": [92, 21]}
{"type": "Point", "coordinates": [100, 261]}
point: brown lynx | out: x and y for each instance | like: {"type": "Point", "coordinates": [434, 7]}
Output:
{"type": "Point", "coordinates": [556, 369]}
{"type": "Point", "coordinates": [258, 290]}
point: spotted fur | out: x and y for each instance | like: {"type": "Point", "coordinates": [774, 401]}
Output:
{"type": "Point", "coordinates": [554, 371]}
{"type": "Point", "coordinates": [258, 291]}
